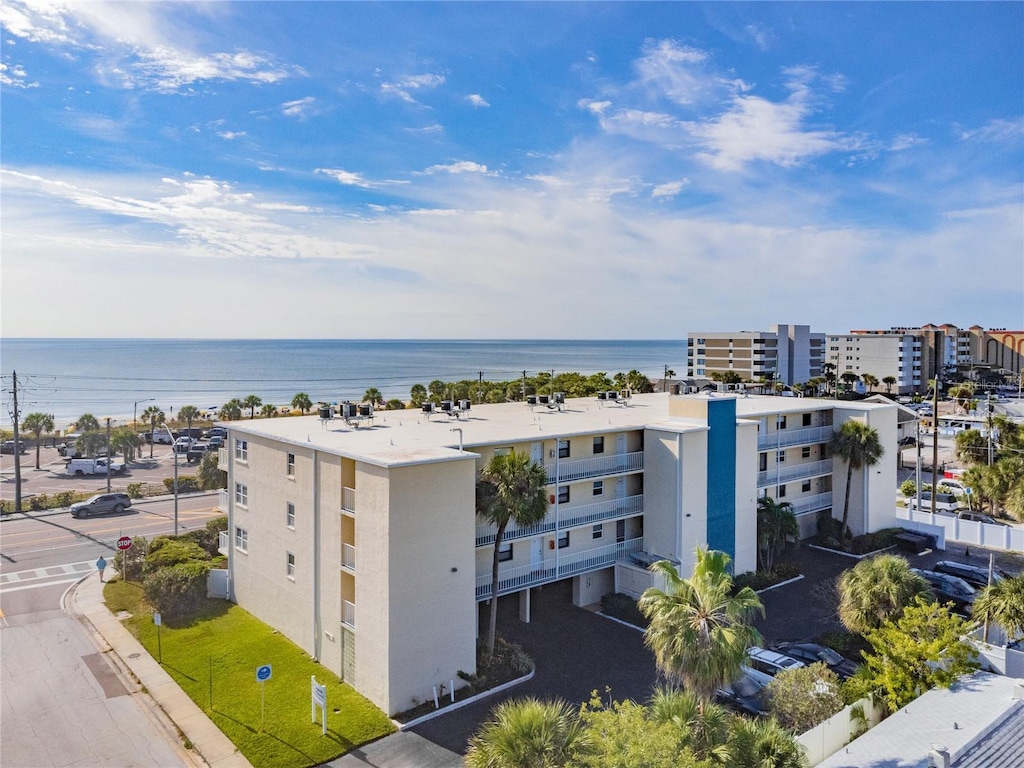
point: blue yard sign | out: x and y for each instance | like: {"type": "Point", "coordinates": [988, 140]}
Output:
{"type": "Point", "coordinates": [263, 673]}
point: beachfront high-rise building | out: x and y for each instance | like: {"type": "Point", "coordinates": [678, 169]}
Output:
{"type": "Point", "coordinates": [885, 356]}
{"type": "Point", "coordinates": [790, 354]}
{"type": "Point", "coordinates": [357, 537]}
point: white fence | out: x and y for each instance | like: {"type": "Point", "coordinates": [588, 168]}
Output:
{"type": "Point", "coordinates": [830, 736]}
{"type": "Point", "coordinates": [1006, 537]}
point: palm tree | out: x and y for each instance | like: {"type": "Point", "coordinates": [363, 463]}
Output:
{"type": "Point", "coordinates": [776, 524]}
{"type": "Point", "coordinates": [704, 727]}
{"type": "Point", "coordinates": [765, 744]}
{"type": "Point", "coordinates": [373, 396]}
{"type": "Point", "coordinates": [231, 410]}
{"type": "Point", "coordinates": [1002, 603]}
{"type": "Point", "coordinates": [890, 382]}
{"type": "Point", "coordinates": [858, 445]}
{"type": "Point", "coordinates": [829, 373]}
{"type": "Point", "coordinates": [37, 423]}
{"type": "Point", "coordinates": [126, 440]}
{"type": "Point", "coordinates": [268, 410]}
{"type": "Point", "coordinates": [877, 590]}
{"type": "Point", "coordinates": [870, 381]}
{"type": "Point", "coordinates": [302, 402]}
{"type": "Point", "coordinates": [153, 415]}
{"type": "Point", "coordinates": [529, 733]}
{"type": "Point", "coordinates": [189, 413]}
{"type": "Point", "coordinates": [252, 402]}
{"type": "Point", "coordinates": [849, 378]}
{"type": "Point", "coordinates": [417, 395]}
{"type": "Point", "coordinates": [87, 423]}
{"type": "Point", "coordinates": [512, 488]}
{"type": "Point", "coordinates": [699, 631]}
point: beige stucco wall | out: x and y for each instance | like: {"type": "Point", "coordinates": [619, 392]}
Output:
{"type": "Point", "coordinates": [746, 497]}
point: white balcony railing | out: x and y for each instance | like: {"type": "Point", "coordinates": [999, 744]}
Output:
{"type": "Point", "coordinates": [784, 438]}
{"type": "Point", "coordinates": [222, 542]}
{"type": "Point", "coordinates": [581, 469]}
{"type": "Point", "coordinates": [222, 500]}
{"type": "Point", "coordinates": [786, 473]}
{"type": "Point", "coordinates": [555, 568]}
{"type": "Point", "coordinates": [568, 517]}
{"type": "Point", "coordinates": [348, 614]}
{"type": "Point", "coordinates": [807, 504]}
{"type": "Point", "coordinates": [348, 556]}
{"type": "Point", "coordinates": [222, 458]}
{"type": "Point", "coordinates": [348, 500]}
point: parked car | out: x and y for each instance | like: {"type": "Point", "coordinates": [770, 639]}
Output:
{"type": "Point", "coordinates": [975, 575]}
{"type": "Point", "coordinates": [946, 485]}
{"type": "Point", "coordinates": [100, 503]}
{"type": "Point", "coordinates": [812, 653]}
{"type": "Point", "coordinates": [746, 693]}
{"type": "Point", "coordinates": [980, 517]}
{"type": "Point", "coordinates": [770, 662]}
{"type": "Point", "coordinates": [908, 440]}
{"type": "Point", "coordinates": [196, 452]}
{"type": "Point", "coordinates": [220, 432]}
{"type": "Point", "coordinates": [8, 446]}
{"type": "Point", "coordinates": [950, 589]}
{"type": "Point", "coordinates": [182, 444]}
{"type": "Point", "coordinates": [944, 502]}
{"type": "Point", "coordinates": [216, 441]}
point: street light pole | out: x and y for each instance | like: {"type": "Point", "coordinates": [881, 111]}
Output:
{"type": "Point", "coordinates": [108, 454]}
{"type": "Point", "coordinates": [135, 410]}
{"type": "Point", "coordinates": [174, 450]}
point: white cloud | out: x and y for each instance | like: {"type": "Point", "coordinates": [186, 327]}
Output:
{"type": "Point", "coordinates": [670, 188]}
{"type": "Point", "coordinates": [673, 70]}
{"type": "Point", "coordinates": [231, 135]}
{"type": "Point", "coordinates": [477, 100]}
{"type": "Point", "coordinates": [15, 76]}
{"type": "Point", "coordinates": [761, 35]}
{"type": "Point", "coordinates": [906, 141]}
{"type": "Point", "coordinates": [595, 107]}
{"type": "Point", "coordinates": [995, 131]}
{"type": "Point", "coordinates": [299, 107]}
{"type": "Point", "coordinates": [402, 87]}
{"type": "Point", "coordinates": [464, 166]}
{"type": "Point", "coordinates": [345, 177]}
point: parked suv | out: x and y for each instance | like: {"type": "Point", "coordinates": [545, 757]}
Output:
{"type": "Point", "coordinates": [100, 503]}
{"type": "Point", "coordinates": [8, 446]}
{"type": "Point", "coordinates": [944, 502]}
{"type": "Point", "coordinates": [975, 575]}
{"type": "Point", "coordinates": [950, 589]}
{"type": "Point", "coordinates": [770, 662]}
{"type": "Point", "coordinates": [812, 653]}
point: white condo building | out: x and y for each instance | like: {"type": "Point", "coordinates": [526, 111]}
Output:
{"type": "Point", "coordinates": [882, 356]}
{"type": "Point", "coordinates": [357, 537]}
{"type": "Point", "coordinates": [787, 353]}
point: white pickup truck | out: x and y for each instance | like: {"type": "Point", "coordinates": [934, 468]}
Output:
{"type": "Point", "coordinates": [98, 466]}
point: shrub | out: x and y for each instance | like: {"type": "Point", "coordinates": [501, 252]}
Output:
{"type": "Point", "coordinates": [908, 488]}
{"type": "Point", "coordinates": [801, 698]}
{"type": "Point", "coordinates": [172, 553]}
{"type": "Point", "coordinates": [135, 490]}
{"type": "Point", "coordinates": [186, 484]}
{"type": "Point", "coordinates": [872, 542]}
{"type": "Point", "coordinates": [39, 501]}
{"type": "Point", "coordinates": [179, 590]}
{"type": "Point", "coordinates": [129, 562]}
{"type": "Point", "coordinates": [63, 499]}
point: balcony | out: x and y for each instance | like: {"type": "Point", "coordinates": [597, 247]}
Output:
{"type": "Point", "coordinates": [348, 557]}
{"type": "Point", "coordinates": [348, 500]}
{"type": "Point", "coordinates": [786, 473]}
{"type": "Point", "coordinates": [581, 469]}
{"type": "Point", "coordinates": [222, 542]}
{"type": "Point", "coordinates": [808, 504]}
{"type": "Point", "coordinates": [222, 500]}
{"type": "Point", "coordinates": [222, 458]}
{"type": "Point", "coordinates": [569, 517]}
{"type": "Point", "coordinates": [553, 569]}
{"type": "Point", "coordinates": [784, 438]}
{"type": "Point", "coordinates": [348, 614]}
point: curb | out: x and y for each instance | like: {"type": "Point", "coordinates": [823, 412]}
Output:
{"type": "Point", "coordinates": [464, 703]}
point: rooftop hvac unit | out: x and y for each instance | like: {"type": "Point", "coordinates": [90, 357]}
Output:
{"type": "Point", "coordinates": [446, 406]}
{"type": "Point", "coordinates": [531, 399]}
{"type": "Point", "coordinates": [602, 395]}
{"type": "Point", "coordinates": [326, 412]}
{"type": "Point", "coordinates": [428, 407]}
{"type": "Point", "coordinates": [543, 399]}
{"type": "Point", "coordinates": [365, 410]}
{"type": "Point", "coordinates": [464, 404]}
{"type": "Point", "coordinates": [624, 394]}
{"type": "Point", "coordinates": [348, 410]}
{"type": "Point", "coordinates": [559, 398]}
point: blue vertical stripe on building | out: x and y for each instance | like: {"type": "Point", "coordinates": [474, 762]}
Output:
{"type": "Point", "coordinates": [721, 511]}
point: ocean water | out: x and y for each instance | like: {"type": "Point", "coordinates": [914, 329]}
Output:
{"type": "Point", "coordinates": [114, 377]}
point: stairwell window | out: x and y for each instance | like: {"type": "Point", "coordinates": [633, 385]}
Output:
{"type": "Point", "coordinates": [241, 494]}
{"type": "Point", "coordinates": [599, 487]}
{"type": "Point", "coordinates": [291, 465]}
{"type": "Point", "coordinates": [598, 531]}
{"type": "Point", "coordinates": [290, 515]}
{"type": "Point", "coordinates": [563, 449]}
{"type": "Point", "coordinates": [563, 494]}
{"type": "Point", "coordinates": [290, 566]}
{"type": "Point", "coordinates": [599, 444]}
{"type": "Point", "coordinates": [241, 540]}
{"type": "Point", "coordinates": [505, 552]}
{"type": "Point", "coordinates": [242, 450]}
{"type": "Point", "coordinates": [563, 540]}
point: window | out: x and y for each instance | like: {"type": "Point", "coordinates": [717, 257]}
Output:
{"type": "Point", "coordinates": [505, 552]}
{"type": "Point", "coordinates": [781, 458]}
{"type": "Point", "coordinates": [242, 450]}
{"type": "Point", "coordinates": [805, 452]}
{"type": "Point", "coordinates": [563, 494]}
{"type": "Point", "coordinates": [599, 444]}
{"type": "Point", "coordinates": [563, 540]}
{"type": "Point", "coordinates": [241, 540]}
{"type": "Point", "coordinates": [290, 515]}
{"type": "Point", "coordinates": [782, 422]}
{"type": "Point", "coordinates": [241, 494]}
{"type": "Point", "coordinates": [806, 486]}
{"type": "Point", "coordinates": [598, 531]}
{"type": "Point", "coordinates": [563, 449]}
{"type": "Point", "coordinates": [782, 491]}
{"type": "Point", "coordinates": [502, 451]}
{"type": "Point", "coordinates": [620, 531]}
{"type": "Point", "coordinates": [762, 465]}
{"type": "Point", "coordinates": [291, 465]}
{"type": "Point", "coordinates": [599, 487]}
{"type": "Point", "coordinates": [290, 566]}
{"type": "Point", "coordinates": [807, 419]}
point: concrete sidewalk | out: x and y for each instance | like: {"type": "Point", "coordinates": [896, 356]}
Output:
{"type": "Point", "coordinates": [211, 746]}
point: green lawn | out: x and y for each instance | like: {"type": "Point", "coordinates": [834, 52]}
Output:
{"type": "Point", "coordinates": [227, 645]}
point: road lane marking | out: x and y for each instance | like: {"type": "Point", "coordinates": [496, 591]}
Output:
{"type": "Point", "coordinates": [5, 590]}
{"type": "Point", "coordinates": [21, 576]}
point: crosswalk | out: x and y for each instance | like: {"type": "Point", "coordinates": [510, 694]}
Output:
{"type": "Point", "coordinates": [51, 575]}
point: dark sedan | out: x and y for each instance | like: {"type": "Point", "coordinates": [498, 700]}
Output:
{"type": "Point", "coordinates": [745, 694]}
{"type": "Point", "coordinates": [812, 653]}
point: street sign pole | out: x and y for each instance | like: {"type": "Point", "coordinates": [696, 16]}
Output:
{"type": "Point", "coordinates": [263, 673]}
{"type": "Point", "coordinates": [158, 620]}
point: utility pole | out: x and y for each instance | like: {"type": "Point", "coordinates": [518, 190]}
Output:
{"type": "Point", "coordinates": [17, 446]}
{"type": "Point", "coordinates": [108, 454]}
{"type": "Point", "coordinates": [479, 387]}
{"type": "Point", "coordinates": [989, 408]}
{"type": "Point", "coordinates": [935, 440]}
{"type": "Point", "coordinates": [524, 386]}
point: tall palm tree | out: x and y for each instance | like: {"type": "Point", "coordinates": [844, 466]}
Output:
{"type": "Point", "coordinates": [153, 415]}
{"type": "Point", "coordinates": [302, 402]}
{"type": "Point", "coordinates": [512, 488]}
{"type": "Point", "coordinates": [699, 631]}
{"type": "Point", "coordinates": [529, 733]}
{"type": "Point", "coordinates": [704, 727]}
{"type": "Point", "coordinates": [890, 382]}
{"type": "Point", "coordinates": [37, 423]}
{"type": "Point", "coordinates": [268, 410]}
{"type": "Point", "coordinates": [87, 423]}
{"type": "Point", "coordinates": [373, 396]}
{"type": "Point", "coordinates": [189, 413]}
{"type": "Point", "coordinates": [252, 402]}
{"type": "Point", "coordinates": [231, 410]}
{"type": "Point", "coordinates": [776, 524]}
{"type": "Point", "coordinates": [765, 744]}
{"type": "Point", "coordinates": [849, 378]}
{"type": "Point", "coordinates": [858, 445]}
{"type": "Point", "coordinates": [870, 381]}
{"type": "Point", "coordinates": [126, 440]}
{"type": "Point", "coordinates": [417, 395]}
{"type": "Point", "coordinates": [1002, 603]}
{"type": "Point", "coordinates": [877, 590]}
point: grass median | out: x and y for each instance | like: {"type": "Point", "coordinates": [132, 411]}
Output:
{"type": "Point", "coordinates": [214, 657]}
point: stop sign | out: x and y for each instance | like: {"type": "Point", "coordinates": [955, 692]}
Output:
{"type": "Point", "coordinates": [125, 542]}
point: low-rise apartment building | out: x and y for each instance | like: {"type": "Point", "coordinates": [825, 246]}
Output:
{"type": "Point", "coordinates": [357, 537]}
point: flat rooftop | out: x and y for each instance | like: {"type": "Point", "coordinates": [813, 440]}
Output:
{"type": "Point", "coordinates": [393, 438]}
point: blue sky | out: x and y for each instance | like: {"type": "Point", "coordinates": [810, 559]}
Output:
{"type": "Point", "coordinates": [509, 170]}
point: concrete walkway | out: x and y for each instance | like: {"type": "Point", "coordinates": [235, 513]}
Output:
{"type": "Point", "coordinates": [85, 600]}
